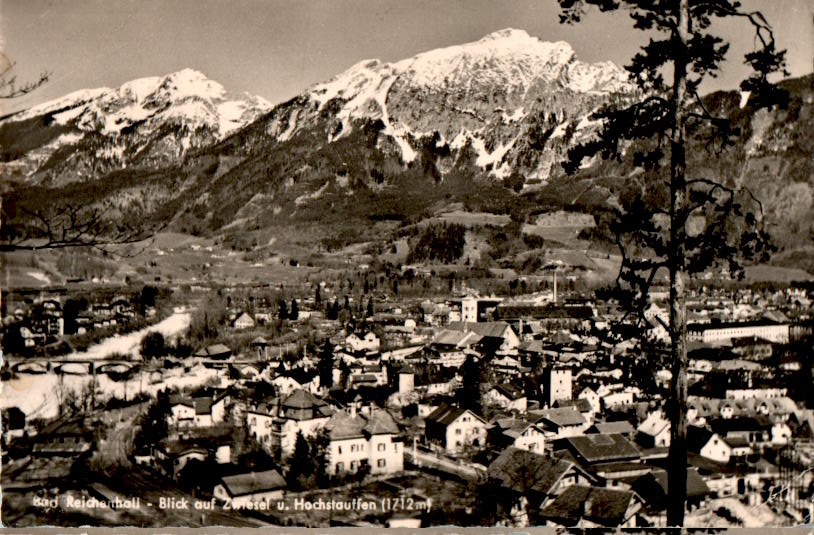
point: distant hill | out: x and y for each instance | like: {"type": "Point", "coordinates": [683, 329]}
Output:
{"type": "Point", "coordinates": [483, 126]}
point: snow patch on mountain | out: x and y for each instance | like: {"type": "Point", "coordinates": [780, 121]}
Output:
{"type": "Point", "coordinates": [157, 117]}
{"type": "Point", "coordinates": [469, 89]}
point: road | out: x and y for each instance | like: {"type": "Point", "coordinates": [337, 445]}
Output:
{"type": "Point", "coordinates": [421, 458]}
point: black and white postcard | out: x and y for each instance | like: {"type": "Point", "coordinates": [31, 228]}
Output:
{"type": "Point", "coordinates": [362, 263]}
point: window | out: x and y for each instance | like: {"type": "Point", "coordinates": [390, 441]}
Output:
{"type": "Point", "coordinates": [381, 463]}
{"type": "Point", "coordinates": [352, 448]}
{"type": "Point", "coordinates": [382, 447]}
{"type": "Point", "coordinates": [457, 431]}
{"type": "Point", "coordinates": [395, 446]}
{"type": "Point", "coordinates": [339, 450]}
{"type": "Point", "coordinates": [353, 465]}
{"type": "Point", "coordinates": [340, 466]}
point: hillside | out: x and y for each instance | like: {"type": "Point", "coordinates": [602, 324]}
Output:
{"type": "Point", "coordinates": [480, 127]}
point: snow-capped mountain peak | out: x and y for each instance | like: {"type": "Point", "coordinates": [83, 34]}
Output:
{"type": "Point", "coordinates": [457, 90]}
{"type": "Point", "coordinates": [157, 117]}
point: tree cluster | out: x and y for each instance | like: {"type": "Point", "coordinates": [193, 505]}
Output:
{"type": "Point", "coordinates": [439, 243]}
{"type": "Point", "coordinates": [307, 467]}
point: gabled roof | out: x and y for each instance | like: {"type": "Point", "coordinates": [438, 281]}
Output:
{"type": "Point", "coordinates": [603, 506]}
{"type": "Point", "coordinates": [655, 423]}
{"type": "Point", "coordinates": [566, 416]}
{"type": "Point", "coordinates": [722, 426]}
{"type": "Point", "coordinates": [492, 329]}
{"type": "Point", "coordinates": [446, 414]}
{"type": "Point", "coordinates": [581, 404]}
{"type": "Point", "coordinates": [608, 428]}
{"type": "Point", "coordinates": [342, 426]}
{"type": "Point", "coordinates": [602, 448]}
{"type": "Point", "coordinates": [213, 350]}
{"type": "Point", "coordinates": [455, 338]}
{"type": "Point", "coordinates": [253, 482]}
{"type": "Point", "coordinates": [180, 399]}
{"type": "Point", "coordinates": [652, 487]}
{"type": "Point", "coordinates": [523, 471]}
{"type": "Point", "coordinates": [509, 391]}
{"type": "Point", "coordinates": [697, 437]}
{"type": "Point", "coordinates": [381, 423]}
{"type": "Point", "coordinates": [203, 405]}
{"type": "Point", "coordinates": [513, 427]}
{"type": "Point", "coordinates": [302, 399]}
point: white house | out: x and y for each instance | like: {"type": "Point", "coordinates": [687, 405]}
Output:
{"type": "Point", "coordinates": [182, 411]}
{"type": "Point", "coordinates": [518, 433]}
{"type": "Point", "coordinates": [508, 397]}
{"type": "Point", "coordinates": [364, 440]}
{"type": "Point", "coordinates": [367, 342]}
{"type": "Point", "coordinates": [455, 428]}
{"type": "Point", "coordinates": [716, 449]}
{"type": "Point", "coordinates": [592, 397]}
{"type": "Point", "coordinates": [654, 431]}
{"type": "Point", "coordinates": [617, 399]}
{"type": "Point", "coordinates": [210, 410]}
{"type": "Point", "coordinates": [244, 321]}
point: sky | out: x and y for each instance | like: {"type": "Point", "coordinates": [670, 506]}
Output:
{"type": "Point", "coordinates": [277, 48]}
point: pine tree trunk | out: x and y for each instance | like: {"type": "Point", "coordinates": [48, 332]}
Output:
{"type": "Point", "coordinates": [677, 460]}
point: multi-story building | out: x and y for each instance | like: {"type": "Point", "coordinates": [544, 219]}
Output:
{"type": "Point", "coordinates": [455, 428]}
{"type": "Point", "coordinates": [364, 440]}
{"type": "Point", "coordinates": [717, 332]}
{"type": "Point", "coordinates": [557, 384]}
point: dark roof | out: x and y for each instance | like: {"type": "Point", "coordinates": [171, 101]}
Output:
{"type": "Point", "coordinates": [203, 405]}
{"type": "Point", "coordinates": [217, 350]}
{"type": "Point", "coordinates": [722, 426]}
{"type": "Point", "coordinates": [302, 399]}
{"type": "Point", "coordinates": [446, 414]}
{"type": "Point", "coordinates": [603, 506]}
{"type": "Point", "coordinates": [15, 418]}
{"type": "Point", "coordinates": [343, 426]}
{"type": "Point", "coordinates": [381, 423]}
{"type": "Point", "coordinates": [602, 448]}
{"type": "Point", "coordinates": [253, 482]}
{"type": "Point", "coordinates": [607, 428]}
{"type": "Point", "coordinates": [493, 329]}
{"type": "Point", "coordinates": [652, 487]}
{"type": "Point", "coordinates": [523, 471]}
{"type": "Point", "coordinates": [697, 438]}
{"type": "Point", "coordinates": [561, 417]}
{"type": "Point", "coordinates": [510, 391]}
{"type": "Point", "coordinates": [581, 404]}
{"type": "Point", "coordinates": [181, 399]}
